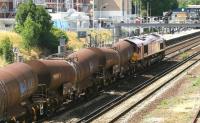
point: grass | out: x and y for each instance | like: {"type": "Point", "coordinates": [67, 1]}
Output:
{"type": "Point", "coordinates": [196, 82]}
{"type": "Point", "coordinates": [184, 55]}
{"type": "Point", "coordinates": [174, 112]}
{"type": "Point", "coordinates": [14, 37]}
{"type": "Point", "coordinates": [17, 41]}
{"type": "Point", "coordinates": [168, 102]}
{"type": "Point", "coordinates": [164, 103]}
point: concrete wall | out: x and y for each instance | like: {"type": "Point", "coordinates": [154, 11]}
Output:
{"type": "Point", "coordinates": [111, 8]}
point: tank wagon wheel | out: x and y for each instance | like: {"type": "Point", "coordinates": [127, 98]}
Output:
{"type": "Point", "coordinates": [12, 120]}
{"type": "Point", "coordinates": [88, 92]}
{"type": "Point", "coordinates": [82, 96]}
{"type": "Point", "coordinates": [74, 95]}
{"type": "Point", "coordinates": [149, 64]}
{"type": "Point", "coordinates": [105, 83]}
{"type": "Point", "coordinates": [114, 79]}
{"type": "Point", "coordinates": [111, 80]}
{"type": "Point", "coordinates": [50, 112]}
{"type": "Point", "coordinates": [129, 71]}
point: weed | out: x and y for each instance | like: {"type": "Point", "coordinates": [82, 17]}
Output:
{"type": "Point", "coordinates": [184, 55]}
{"type": "Point", "coordinates": [196, 82]}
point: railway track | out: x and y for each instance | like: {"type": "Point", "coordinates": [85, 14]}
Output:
{"type": "Point", "coordinates": [183, 46]}
{"type": "Point", "coordinates": [106, 108]}
{"type": "Point", "coordinates": [197, 117]}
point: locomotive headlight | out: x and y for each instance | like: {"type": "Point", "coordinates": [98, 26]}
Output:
{"type": "Point", "coordinates": [135, 57]}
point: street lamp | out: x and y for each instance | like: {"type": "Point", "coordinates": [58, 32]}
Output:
{"type": "Point", "coordinates": [103, 6]}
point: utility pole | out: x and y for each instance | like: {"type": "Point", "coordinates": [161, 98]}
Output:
{"type": "Point", "coordinates": [72, 4]}
{"type": "Point", "coordinates": [140, 8]}
{"type": "Point", "coordinates": [93, 13]}
{"type": "Point", "coordinates": [57, 6]}
{"type": "Point", "coordinates": [77, 5]}
{"type": "Point", "coordinates": [135, 8]}
{"type": "Point", "coordinates": [150, 9]}
{"type": "Point", "coordinates": [147, 9]}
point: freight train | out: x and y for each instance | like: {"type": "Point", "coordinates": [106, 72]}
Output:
{"type": "Point", "coordinates": [33, 90]}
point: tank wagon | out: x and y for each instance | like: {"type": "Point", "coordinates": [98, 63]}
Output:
{"type": "Point", "coordinates": [40, 87]}
{"type": "Point", "coordinates": [17, 83]}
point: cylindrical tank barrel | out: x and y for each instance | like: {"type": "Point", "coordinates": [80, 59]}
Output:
{"type": "Point", "coordinates": [125, 50]}
{"type": "Point", "coordinates": [53, 73]}
{"type": "Point", "coordinates": [112, 57]}
{"type": "Point", "coordinates": [17, 82]}
{"type": "Point", "coordinates": [87, 61]}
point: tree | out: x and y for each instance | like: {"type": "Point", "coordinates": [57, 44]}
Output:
{"type": "Point", "coordinates": [23, 11]}
{"type": "Point", "coordinates": [37, 14]}
{"type": "Point", "coordinates": [36, 27]}
{"type": "Point", "coordinates": [157, 7]}
{"type": "Point", "coordinates": [6, 50]}
{"type": "Point", "coordinates": [53, 39]}
{"type": "Point", "coordinates": [184, 3]}
{"type": "Point", "coordinates": [30, 33]}
{"type": "Point", "coordinates": [43, 18]}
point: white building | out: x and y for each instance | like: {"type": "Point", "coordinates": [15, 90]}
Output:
{"type": "Point", "coordinates": [112, 8]}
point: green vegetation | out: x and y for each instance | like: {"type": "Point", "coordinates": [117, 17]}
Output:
{"type": "Point", "coordinates": [6, 52]}
{"type": "Point", "coordinates": [160, 6]}
{"type": "Point", "coordinates": [74, 43]}
{"type": "Point", "coordinates": [184, 55]}
{"type": "Point", "coordinates": [164, 103]}
{"type": "Point", "coordinates": [196, 82]}
{"type": "Point", "coordinates": [157, 6]}
{"type": "Point", "coordinates": [30, 33]}
{"type": "Point", "coordinates": [184, 3]}
{"type": "Point", "coordinates": [36, 28]}
{"type": "Point", "coordinates": [98, 36]}
{"type": "Point", "coordinates": [102, 35]}
{"type": "Point", "coordinates": [17, 41]}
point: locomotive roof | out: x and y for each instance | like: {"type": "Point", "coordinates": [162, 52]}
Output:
{"type": "Point", "coordinates": [145, 39]}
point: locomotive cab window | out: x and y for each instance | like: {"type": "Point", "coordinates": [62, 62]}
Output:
{"type": "Point", "coordinates": [145, 48]}
{"type": "Point", "coordinates": [135, 49]}
{"type": "Point", "coordinates": [161, 46]}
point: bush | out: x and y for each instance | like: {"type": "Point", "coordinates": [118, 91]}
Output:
{"type": "Point", "coordinates": [51, 40]}
{"type": "Point", "coordinates": [6, 52]}
{"type": "Point", "coordinates": [74, 43]}
{"type": "Point", "coordinates": [101, 36]}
